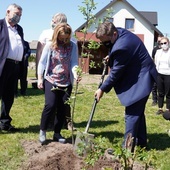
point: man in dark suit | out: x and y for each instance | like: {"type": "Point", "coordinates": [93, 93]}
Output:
{"type": "Point", "coordinates": [11, 53]}
{"type": "Point", "coordinates": [132, 74]}
{"type": "Point", "coordinates": [23, 70]}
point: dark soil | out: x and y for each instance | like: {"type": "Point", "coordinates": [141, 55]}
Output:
{"type": "Point", "coordinates": [57, 156]}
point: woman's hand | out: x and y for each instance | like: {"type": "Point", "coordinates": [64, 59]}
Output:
{"type": "Point", "coordinates": [40, 82]}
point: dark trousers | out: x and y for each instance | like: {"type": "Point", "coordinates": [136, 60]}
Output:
{"type": "Point", "coordinates": [23, 71]}
{"type": "Point", "coordinates": [7, 87]}
{"type": "Point", "coordinates": [163, 84]}
{"type": "Point", "coordinates": [135, 123]}
{"type": "Point", "coordinates": [55, 104]}
{"type": "Point", "coordinates": [154, 93]}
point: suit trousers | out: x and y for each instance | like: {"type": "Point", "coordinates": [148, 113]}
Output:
{"type": "Point", "coordinates": [135, 123]}
{"type": "Point", "coordinates": [154, 93]}
{"type": "Point", "coordinates": [23, 71]}
{"type": "Point", "coordinates": [8, 81]}
{"type": "Point", "coordinates": [55, 103]}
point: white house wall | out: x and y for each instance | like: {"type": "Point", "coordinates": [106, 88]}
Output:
{"type": "Point", "coordinates": [120, 12]}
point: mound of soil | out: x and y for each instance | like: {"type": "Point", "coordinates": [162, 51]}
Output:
{"type": "Point", "coordinates": [57, 156]}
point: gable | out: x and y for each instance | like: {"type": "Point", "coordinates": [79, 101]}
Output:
{"type": "Point", "coordinates": [149, 19]}
{"type": "Point", "coordinates": [143, 23]}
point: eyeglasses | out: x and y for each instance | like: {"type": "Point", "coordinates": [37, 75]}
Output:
{"type": "Point", "coordinates": [163, 43]}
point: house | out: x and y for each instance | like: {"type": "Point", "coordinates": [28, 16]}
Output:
{"type": "Point", "coordinates": [33, 47]}
{"type": "Point", "coordinates": [124, 15]}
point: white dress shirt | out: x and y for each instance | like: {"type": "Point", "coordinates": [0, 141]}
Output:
{"type": "Point", "coordinates": [15, 47]}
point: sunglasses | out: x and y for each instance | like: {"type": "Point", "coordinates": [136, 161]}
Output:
{"type": "Point", "coordinates": [163, 43]}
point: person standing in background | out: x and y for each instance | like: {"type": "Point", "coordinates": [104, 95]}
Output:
{"type": "Point", "coordinates": [11, 53]}
{"type": "Point", "coordinates": [23, 70]}
{"type": "Point", "coordinates": [46, 35]}
{"type": "Point", "coordinates": [154, 89]}
{"type": "Point", "coordinates": [162, 61]}
{"type": "Point", "coordinates": [44, 38]}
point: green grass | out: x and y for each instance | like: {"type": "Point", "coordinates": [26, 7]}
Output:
{"type": "Point", "coordinates": [108, 122]}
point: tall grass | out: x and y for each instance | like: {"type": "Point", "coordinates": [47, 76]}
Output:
{"type": "Point", "coordinates": [108, 121]}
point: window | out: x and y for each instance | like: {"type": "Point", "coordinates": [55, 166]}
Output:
{"type": "Point", "coordinates": [129, 24]}
{"type": "Point", "coordinates": [109, 19]}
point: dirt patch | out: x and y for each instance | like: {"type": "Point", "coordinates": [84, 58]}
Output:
{"type": "Point", "coordinates": [57, 156]}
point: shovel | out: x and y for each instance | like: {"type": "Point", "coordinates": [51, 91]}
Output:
{"type": "Point", "coordinates": [84, 140]}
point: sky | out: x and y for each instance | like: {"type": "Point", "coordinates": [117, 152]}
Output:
{"type": "Point", "coordinates": [37, 14]}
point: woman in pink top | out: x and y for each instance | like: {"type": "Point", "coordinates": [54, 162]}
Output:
{"type": "Point", "coordinates": [59, 60]}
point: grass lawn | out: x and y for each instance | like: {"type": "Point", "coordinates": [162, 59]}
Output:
{"type": "Point", "coordinates": [108, 122]}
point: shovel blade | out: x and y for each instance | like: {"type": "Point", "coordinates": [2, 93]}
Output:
{"type": "Point", "coordinates": [83, 143]}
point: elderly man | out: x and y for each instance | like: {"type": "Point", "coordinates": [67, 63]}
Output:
{"type": "Point", "coordinates": [11, 53]}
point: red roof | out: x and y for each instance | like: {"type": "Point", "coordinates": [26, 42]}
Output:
{"type": "Point", "coordinates": [89, 36]}
{"type": "Point", "coordinates": [92, 36]}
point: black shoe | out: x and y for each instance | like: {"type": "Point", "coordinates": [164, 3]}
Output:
{"type": "Point", "coordinates": [9, 128]}
{"type": "Point", "coordinates": [159, 112]}
{"type": "Point", "coordinates": [57, 137]}
{"type": "Point", "coordinates": [166, 115]}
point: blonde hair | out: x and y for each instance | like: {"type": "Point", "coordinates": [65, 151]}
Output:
{"type": "Point", "coordinates": [61, 29]}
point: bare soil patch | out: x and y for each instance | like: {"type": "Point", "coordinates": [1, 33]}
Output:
{"type": "Point", "coordinates": [57, 156]}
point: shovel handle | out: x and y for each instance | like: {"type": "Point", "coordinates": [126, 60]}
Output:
{"type": "Point", "coordinates": [95, 100]}
{"type": "Point", "coordinates": [103, 73]}
{"type": "Point", "coordinates": [91, 115]}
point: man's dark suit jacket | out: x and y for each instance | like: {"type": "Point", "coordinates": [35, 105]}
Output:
{"type": "Point", "coordinates": [4, 41]}
{"type": "Point", "coordinates": [27, 52]}
{"type": "Point", "coordinates": [132, 70]}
